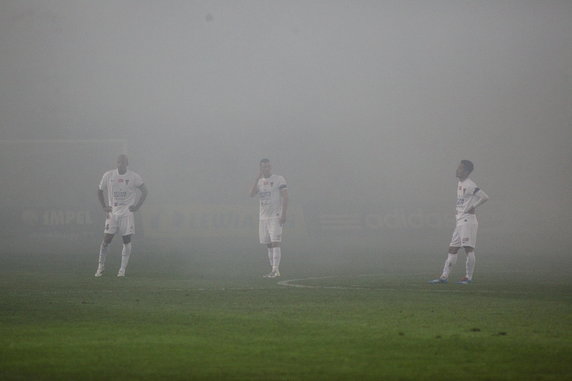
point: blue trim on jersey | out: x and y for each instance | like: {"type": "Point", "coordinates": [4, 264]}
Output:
{"type": "Point", "coordinates": [476, 190]}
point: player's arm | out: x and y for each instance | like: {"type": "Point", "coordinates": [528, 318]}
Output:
{"type": "Point", "coordinates": [480, 197]}
{"type": "Point", "coordinates": [101, 199]}
{"type": "Point", "coordinates": [284, 199]}
{"type": "Point", "coordinates": [141, 200]}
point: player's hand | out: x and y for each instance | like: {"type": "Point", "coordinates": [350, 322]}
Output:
{"type": "Point", "coordinates": [133, 208]}
{"type": "Point", "coordinates": [107, 209]}
{"type": "Point", "coordinates": [471, 211]}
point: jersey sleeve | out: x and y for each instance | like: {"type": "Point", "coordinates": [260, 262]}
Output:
{"type": "Point", "coordinates": [471, 189]}
{"type": "Point", "coordinates": [282, 183]}
{"type": "Point", "coordinates": [103, 183]}
{"type": "Point", "coordinates": [138, 180]}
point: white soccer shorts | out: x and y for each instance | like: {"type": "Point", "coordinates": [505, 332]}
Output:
{"type": "Point", "coordinates": [465, 233]}
{"type": "Point", "coordinates": [123, 225]}
{"type": "Point", "coordinates": [270, 231]}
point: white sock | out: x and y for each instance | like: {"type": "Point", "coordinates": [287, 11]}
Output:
{"type": "Point", "coordinates": [271, 256]}
{"type": "Point", "coordinates": [102, 254]}
{"type": "Point", "coordinates": [470, 265]}
{"type": "Point", "coordinates": [277, 255]}
{"type": "Point", "coordinates": [449, 263]}
{"type": "Point", "coordinates": [125, 253]}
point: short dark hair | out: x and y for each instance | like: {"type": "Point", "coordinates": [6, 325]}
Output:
{"type": "Point", "coordinates": [264, 161]}
{"type": "Point", "coordinates": [468, 165]}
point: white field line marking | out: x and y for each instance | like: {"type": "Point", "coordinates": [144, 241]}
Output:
{"type": "Point", "coordinates": [431, 288]}
{"type": "Point", "coordinates": [290, 283]}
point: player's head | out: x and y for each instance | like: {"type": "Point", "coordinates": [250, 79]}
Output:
{"type": "Point", "coordinates": [265, 168]}
{"type": "Point", "coordinates": [122, 162]}
{"type": "Point", "coordinates": [464, 169]}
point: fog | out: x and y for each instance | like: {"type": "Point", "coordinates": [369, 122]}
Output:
{"type": "Point", "coordinates": [365, 107]}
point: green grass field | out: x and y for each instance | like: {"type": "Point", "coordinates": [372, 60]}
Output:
{"type": "Point", "coordinates": [190, 319]}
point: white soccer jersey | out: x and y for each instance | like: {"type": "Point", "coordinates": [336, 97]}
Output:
{"type": "Point", "coordinates": [269, 194]}
{"type": "Point", "coordinates": [466, 197]}
{"type": "Point", "coordinates": [121, 190]}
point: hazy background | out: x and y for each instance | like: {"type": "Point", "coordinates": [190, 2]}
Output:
{"type": "Point", "coordinates": [365, 107]}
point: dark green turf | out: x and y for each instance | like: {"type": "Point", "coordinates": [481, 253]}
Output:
{"type": "Point", "coordinates": [201, 320]}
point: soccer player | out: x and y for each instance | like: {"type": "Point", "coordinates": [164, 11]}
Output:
{"type": "Point", "coordinates": [122, 201]}
{"type": "Point", "coordinates": [469, 197]}
{"type": "Point", "coordinates": [273, 194]}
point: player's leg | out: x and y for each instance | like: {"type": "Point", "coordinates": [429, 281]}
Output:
{"type": "Point", "coordinates": [108, 233]}
{"type": "Point", "coordinates": [450, 262]}
{"type": "Point", "coordinates": [127, 229]}
{"type": "Point", "coordinates": [469, 266]}
{"type": "Point", "coordinates": [276, 256]}
{"type": "Point", "coordinates": [125, 254]}
{"type": "Point", "coordinates": [469, 239]}
{"type": "Point", "coordinates": [454, 247]}
{"type": "Point", "coordinates": [103, 249]}
{"type": "Point", "coordinates": [275, 232]}
{"type": "Point", "coordinates": [270, 250]}
{"type": "Point", "coordinates": [264, 238]}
